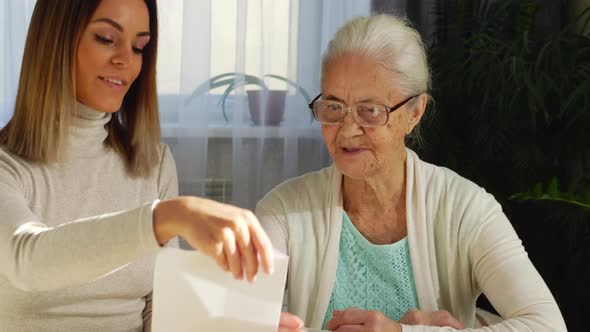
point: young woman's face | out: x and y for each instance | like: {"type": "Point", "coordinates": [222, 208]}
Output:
{"type": "Point", "coordinates": [109, 56]}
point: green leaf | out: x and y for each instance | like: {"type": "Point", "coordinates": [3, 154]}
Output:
{"type": "Point", "coordinates": [553, 194]}
{"type": "Point", "coordinates": [213, 83]}
{"type": "Point", "coordinates": [553, 189]}
{"type": "Point", "coordinates": [538, 189]}
{"type": "Point", "coordinates": [293, 84]}
{"type": "Point", "coordinates": [579, 92]}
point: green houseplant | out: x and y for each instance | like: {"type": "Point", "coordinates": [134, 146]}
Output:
{"type": "Point", "coordinates": [259, 100]}
{"type": "Point", "coordinates": [513, 115]}
{"type": "Point", "coordinates": [519, 97]}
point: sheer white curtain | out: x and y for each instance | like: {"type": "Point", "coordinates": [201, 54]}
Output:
{"type": "Point", "coordinates": [14, 21]}
{"type": "Point", "coordinates": [234, 161]}
{"type": "Point", "coordinates": [237, 161]}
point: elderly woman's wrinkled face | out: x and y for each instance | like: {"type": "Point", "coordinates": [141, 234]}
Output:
{"type": "Point", "coordinates": [361, 152]}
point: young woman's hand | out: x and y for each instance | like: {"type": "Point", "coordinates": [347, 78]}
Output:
{"type": "Point", "coordinates": [290, 323]}
{"type": "Point", "coordinates": [232, 236]}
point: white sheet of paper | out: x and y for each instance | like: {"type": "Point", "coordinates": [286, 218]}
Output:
{"type": "Point", "coordinates": [192, 293]}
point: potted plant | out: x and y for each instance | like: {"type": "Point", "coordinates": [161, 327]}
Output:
{"type": "Point", "coordinates": [512, 114]}
{"type": "Point", "coordinates": [267, 106]}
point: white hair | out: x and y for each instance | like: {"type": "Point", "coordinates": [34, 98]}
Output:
{"type": "Point", "coordinates": [390, 40]}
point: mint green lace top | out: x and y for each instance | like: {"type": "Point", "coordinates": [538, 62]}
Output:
{"type": "Point", "coordinates": [372, 277]}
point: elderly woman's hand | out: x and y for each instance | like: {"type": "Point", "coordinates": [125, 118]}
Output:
{"type": "Point", "coordinates": [358, 320]}
{"type": "Point", "coordinates": [433, 318]}
{"type": "Point", "coordinates": [290, 323]}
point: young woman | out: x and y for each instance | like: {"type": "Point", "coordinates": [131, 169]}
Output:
{"type": "Point", "coordinates": [88, 195]}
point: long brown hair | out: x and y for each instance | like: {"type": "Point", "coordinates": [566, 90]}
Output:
{"type": "Point", "coordinates": [46, 94]}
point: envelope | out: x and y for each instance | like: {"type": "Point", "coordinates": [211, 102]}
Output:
{"type": "Point", "coordinates": [192, 293]}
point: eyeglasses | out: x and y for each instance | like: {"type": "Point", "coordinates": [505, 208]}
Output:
{"type": "Point", "coordinates": [331, 112]}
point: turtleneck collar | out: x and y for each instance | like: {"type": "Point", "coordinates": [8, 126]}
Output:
{"type": "Point", "coordinates": [87, 132]}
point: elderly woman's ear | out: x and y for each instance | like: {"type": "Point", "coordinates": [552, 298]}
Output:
{"type": "Point", "coordinates": [416, 111]}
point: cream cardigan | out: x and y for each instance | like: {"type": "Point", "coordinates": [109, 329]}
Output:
{"type": "Point", "coordinates": [461, 244]}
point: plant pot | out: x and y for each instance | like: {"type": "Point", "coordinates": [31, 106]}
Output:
{"type": "Point", "coordinates": [267, 107]}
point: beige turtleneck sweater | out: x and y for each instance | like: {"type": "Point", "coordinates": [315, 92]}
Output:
{"type": "Point", "coordinates": [77, 244]}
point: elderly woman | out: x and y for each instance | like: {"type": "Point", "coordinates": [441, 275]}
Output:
{"type": "Point", "coordinates": [383, 240]}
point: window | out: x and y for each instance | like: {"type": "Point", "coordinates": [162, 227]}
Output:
{"type": "Point", "coordinates": [255, 36]}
